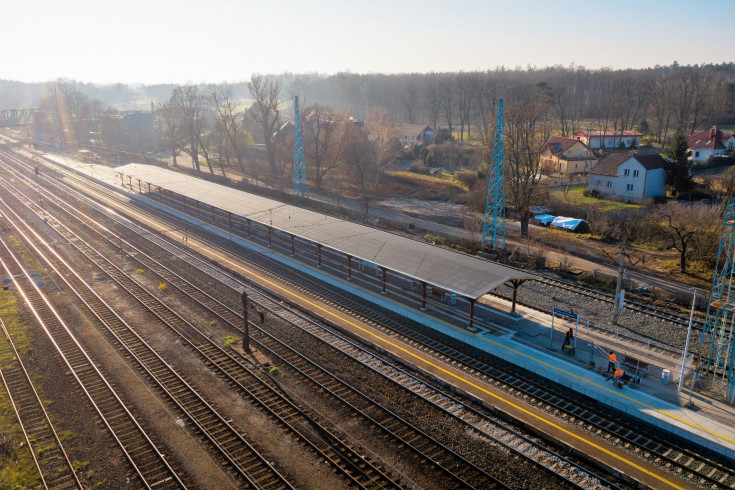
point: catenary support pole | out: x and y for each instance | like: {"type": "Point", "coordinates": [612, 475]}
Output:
{"type": "Point", "coordinates": [245, 333]}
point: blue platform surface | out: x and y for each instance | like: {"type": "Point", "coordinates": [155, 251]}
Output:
{"type": "Point", "coordinates": [711, 425]}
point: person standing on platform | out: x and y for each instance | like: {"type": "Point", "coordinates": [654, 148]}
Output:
{"type": "Point", "coordinates": [568, 337]}
{"type": "Point", "coordinates": [611, 361]}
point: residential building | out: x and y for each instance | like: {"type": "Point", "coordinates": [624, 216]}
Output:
{"type": "Point", "coordinates": [632, 178]}
{"type": "Point", "coordinates": [609, 139]}
{"type": "Point", "coordinates": [566, 156]}
{"type": "Point", "coordinates": [710, 143]}
{"type": "Point", "coordinates": [414, 134]}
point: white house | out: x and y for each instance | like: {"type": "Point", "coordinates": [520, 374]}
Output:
{"type": "Point", "coordinates": [566, 155]}
{"type": "Point", "coordinates": [414, 134]}
{"type": "Point", "coordinates": [710, 143]}
{"type": "Point", "coordinates": [609, 139]}
{"type": "Point", "coordinates": [629, 177]}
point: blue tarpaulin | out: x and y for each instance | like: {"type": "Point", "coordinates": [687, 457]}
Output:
{"type": "Point", "coordinates": [544, 219]}
{"type": "Point", "coordinates": [569, 223]}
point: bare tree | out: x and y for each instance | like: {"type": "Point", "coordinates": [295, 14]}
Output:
{"type": "Point", "coordinates": [447, 95]}
{"type": "Point", "coordinates": [465, 96]}
{"type": "Point", "coordinates": [326, 137]}
{"type": "Point", "coordinates": [485, 88]}
{"type": "Point", "coordinates": [703, 94]}
{"type": "Point", "coordinates": [265, 112]}
{"type": "Point", "coordinates": [170, 128]}
{"type": "Point", "coordinates": [659, 92]}
{"type": "Point", "coordinates": [682, 224]}
{"type": "Point", "coordinates": [624, 105]}
{"type": "Point", "coordinates": [525, 134]}
{"type": "Point", "coordinates": [409, 94]}
{"type": "Point", "coordinates": [382, 137]}
{"type": "Point", "coordinates": [228, 111]}
{"type": "Point", "coordinates": [432, 103]}
{"type": "Point", "coordinates": [188, 104]}
{"type": "Point", "coordinates": [358, 156]}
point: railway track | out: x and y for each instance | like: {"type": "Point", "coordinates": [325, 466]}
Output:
{"type": "Point", "coordinates": [149, 468]}
{"type": "Point", "coordinates": [460, 471]}
{"type": "Point", "coordinates": [582, 412]}
{"type": "Point", "coordinates": [355, 467]}
{"type": "Point", "coordinates": [54, 466]}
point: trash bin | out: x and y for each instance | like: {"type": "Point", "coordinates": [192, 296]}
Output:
{"type": "Point", "coordinates": [665, 375]}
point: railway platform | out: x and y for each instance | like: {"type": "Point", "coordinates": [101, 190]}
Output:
{"type": "Point", "coordinates": [528, 344]}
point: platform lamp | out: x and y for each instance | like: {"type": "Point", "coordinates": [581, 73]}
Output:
{"type": "Point", "coordinates": [689, 332]}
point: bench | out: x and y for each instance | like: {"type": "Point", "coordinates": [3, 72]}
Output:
{"type": "Point", "coordinates": [635, 366]}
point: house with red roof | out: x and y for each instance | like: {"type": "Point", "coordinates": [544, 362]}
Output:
{"type": "Point", "coordinates": [710, 143]}
{"type": "Point", "coordinates": [609, 139]}
{"type": "Point", "coordinates": [566, 156]}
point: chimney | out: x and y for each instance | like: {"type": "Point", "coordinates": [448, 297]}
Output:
{"type": "Point", "coordinates": [713, 132]}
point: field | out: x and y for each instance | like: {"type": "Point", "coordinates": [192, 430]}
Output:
{"type": "Point", "coordinates": [576, 197]}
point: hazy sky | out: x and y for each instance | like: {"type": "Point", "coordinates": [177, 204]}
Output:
{"type": "Point", "coordinates": [179, 41]}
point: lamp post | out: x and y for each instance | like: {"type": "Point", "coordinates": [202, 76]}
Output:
{"type": "Point", "coordinates": [689, 332]}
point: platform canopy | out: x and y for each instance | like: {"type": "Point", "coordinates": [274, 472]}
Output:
{"type": "Point", "coordinates": [454, 272]}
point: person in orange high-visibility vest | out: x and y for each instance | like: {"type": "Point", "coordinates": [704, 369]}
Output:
{"type": "Point", "coordinates": [611, 362]}
{"type": "Point", "coordinates": [620, 374]}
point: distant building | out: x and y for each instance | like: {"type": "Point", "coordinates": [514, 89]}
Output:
{"type": "Point", "coordinates": [415, 134]}
{"type": "Point", "coordinates": [132, 130]}
{"type": "Point", "coordinates": [710, 143]}
{"type": "Point", "coordinates": [567, 156]}
{"type": "Point", "coordinates": [632, 178]}
{"type": "Point", "coordinates": [609, 139]}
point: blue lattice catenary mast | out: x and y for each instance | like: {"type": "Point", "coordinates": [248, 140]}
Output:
{"type": "Point", "coordinates": [493, 226]}
{"type": "Point", "coordinates": [717, 353]}
{"type": "Point", "coordinates": [300, 184]}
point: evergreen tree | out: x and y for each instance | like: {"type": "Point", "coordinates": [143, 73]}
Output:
{"type": "Point", "coordinates": [678, 166]}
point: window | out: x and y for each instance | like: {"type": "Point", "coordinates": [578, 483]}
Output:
{"type": "Point", "coordinates": [609, 184]}
{"type": "Point", "coordinates": [635, 173]}
{"type": "Point", "coordinates": [696, 154]}
{"type": "Point", "coordinates": [599, 182]}
{"type": "Point", "coordinates": [629, 187]}
{"type": "Point", "coordinates": [626, 172]}
{"type": "Point", "coordinates": [729, 146]}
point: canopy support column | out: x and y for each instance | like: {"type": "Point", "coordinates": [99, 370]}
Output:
{"type": "Point", "coordinates": [423, 296]}
{"type": "Point", "coordinates": [293, 245]}
{"type": "Point", "coordinates": [515, 283]}
{"type": "Point", "coordinates": [472, 311]}
{"type": "Point", "coordinates": [383, 291]}
{"type": "Point", "coordinates": [319, 255]}
{"type": "Point", "coordinates": [270, 235]}
{"type": "Point", "coordinates": [349, 267]}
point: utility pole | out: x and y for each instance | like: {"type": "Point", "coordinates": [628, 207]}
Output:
{"type": "Point", "coordinates": [621, 269]}
{"type": "Point", "coordinates": [245, 333]}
